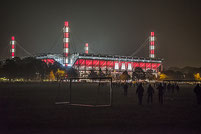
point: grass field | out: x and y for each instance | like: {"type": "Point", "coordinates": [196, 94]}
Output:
{"type": "Point", "coordinates": [30, 108]}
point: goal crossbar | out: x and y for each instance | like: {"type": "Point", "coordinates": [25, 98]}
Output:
{"type": "Point", "coordinates": [69, 102]}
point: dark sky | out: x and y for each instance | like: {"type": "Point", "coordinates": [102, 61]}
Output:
{"type": "Point", "coordinates": [110, 27]}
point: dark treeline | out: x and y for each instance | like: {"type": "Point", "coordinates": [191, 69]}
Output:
{"type": "Point", "coordinates": [31, 68]}
{"type": "Point", "coordinates": [28, 69]}
{"type": "Point", "coordinates": [186, 73]}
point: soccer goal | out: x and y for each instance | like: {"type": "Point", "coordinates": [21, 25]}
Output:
{"type": "Point", "coordinates": [88, 92]}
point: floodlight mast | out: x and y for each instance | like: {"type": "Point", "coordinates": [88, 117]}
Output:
{"type": "Point", "coordinates": [152, 46]}
{"type": "Point", "coordinates": [86, 48]}
{"type": "Point", "coordinates": [12, 47]}
{"type": "Point", "coordinates": [66, 43]}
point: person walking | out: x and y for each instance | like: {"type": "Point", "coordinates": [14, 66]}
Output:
{"type": "Point", "coordinates": [168, 88]}
{"type": "Point", "coordinates": [140, 91]}
{"type": "Point", "coordinates": [172, 86]}
{"type": "Point", "coordinates": [160, 93]}
{"type": "Point", "coordinates": [150, 92]}
{"type": "Point", "coordinates": [177, 88]}
{"type": "Point", "coordinates": [197, 91]}
{"type": "Point", "coordinates": [125, 89]}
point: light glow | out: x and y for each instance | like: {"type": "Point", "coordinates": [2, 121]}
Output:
{"type": "Point", "coordinates": [66, 40]}
{"type": "Point", "coordinates": [66, 29]}
{"type": "Point", "coordinates": [66, 35]}
{"type": "Point", "coordinates": [86, 48]}
{"type": "Point", "coordinates": [129, 66]}
{"type": "Point", "coordinates": [66, 50]}
{"type": "Point", "coordinates": [66, 60]}
{"type": "Point", "coordinates": [66, 23]}
{"type": "Point", "coordinates": [152, 38]}
{"type": "Point", "coordinates": [123, 66]}
{"type": "Point", "coordinates": [116, 66]}
{"type": "Point", "coordinates": [151, 47]}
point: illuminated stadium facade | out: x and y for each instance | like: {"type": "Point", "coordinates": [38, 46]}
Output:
{"type": "Point", "coordinates": [84, 63]}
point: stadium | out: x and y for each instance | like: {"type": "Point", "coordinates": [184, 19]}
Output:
{"type": "Point", "coordinates": [85, 62]}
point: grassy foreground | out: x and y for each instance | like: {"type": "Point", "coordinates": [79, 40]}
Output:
{"type": "Point", "coordinates": [30, 108]}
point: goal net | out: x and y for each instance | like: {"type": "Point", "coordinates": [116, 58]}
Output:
{"type": "Point", "coordinates": [89, 92]}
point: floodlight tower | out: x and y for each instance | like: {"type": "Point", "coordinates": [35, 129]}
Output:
{"type": "Point", "coordinates": [152, 46]}
{"type": "Point", "coordinates": [12, 50]}
{"type": "Point", "coordinates": [66, 43]}
{"type": "Point", "coordinates": [86, 48]}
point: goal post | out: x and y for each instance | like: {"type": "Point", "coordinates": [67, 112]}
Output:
{"type": "Point", "coordinates": [95, 85]}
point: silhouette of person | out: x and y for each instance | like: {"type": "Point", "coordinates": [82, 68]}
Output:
{"type": "Point", "coordinates": [125, 89]}
{"type": "Point", "coordinates": [168, 87]}
{"type": "Point", "coordinates": [165, 87]}
{"type": "Point", "coordinates": [177, 88]}
{"type": "Point", "coordinates": [140, 91]}
{"type": "Point", "coordinates": [150, 92]}
{"type": "Point", "coordinates": [172, 86]}
{"type": "Point", "coordinates": [197, 91]}
{"type": "Point", "coordinates": [160, 93]}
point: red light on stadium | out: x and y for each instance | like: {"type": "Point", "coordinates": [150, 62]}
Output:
{"type": "Point", "coordinates": [66, 45]}
{"type": "Point", "coordinates": [86, 48]}
{"type": "Point", "coordinates": [12, 38]}
{"type": "Point", "coordinates": [66, 35]}
{"type": "Point", "coordinates": [66, 23]}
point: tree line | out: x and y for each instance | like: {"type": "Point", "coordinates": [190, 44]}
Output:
{"type": "Point", "coordinates": [28, 68]}
{"type": "Point", "coordinates": [31, 68]}
{"type": "Point", "coordinates": [185, 73]}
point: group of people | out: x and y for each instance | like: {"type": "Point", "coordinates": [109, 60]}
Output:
{"type": "Point", "coordinates": [163, 89]}
{"type": "Point", "coordinates": [150, 92]}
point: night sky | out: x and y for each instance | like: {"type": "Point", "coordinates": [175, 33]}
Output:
{"type": "Point", "coordinates": [110, 27]}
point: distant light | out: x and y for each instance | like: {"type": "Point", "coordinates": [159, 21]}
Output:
{"type": "Point", "coordinates": [66, 40]}
{"type": "Point", "coordinates": [86, 48]}
{"type": "Point", "coordinates": [66, 45]}
{"type": "Point", "coordinates": [66, 29]}
{"type": "Point", "coordinates": [152, 47]}
{"type": "Point", "coordinates": [152, 39]}
{"type": "Point", "coordinates": [66, 50]}
{"type": "Point", "coordinates": [66, 35]}
{"type": "Point", "coordinates": [67, 61]}
{"type": "Point", "coordinates": [129, 66]}
{"type": "Point", "coordinates": [116, 66]}
{"type": "Point", "coordinates": [13, 38]}
{"type": "Point", "coordinates": [123, 66]}
{"type": "Point", "coordinates": [66, 23]}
